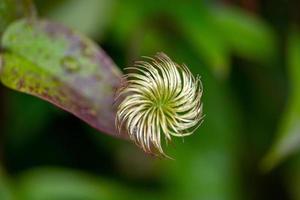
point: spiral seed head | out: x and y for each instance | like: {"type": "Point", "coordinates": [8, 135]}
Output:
{"type": "Point", "coordinates": [161, 99]}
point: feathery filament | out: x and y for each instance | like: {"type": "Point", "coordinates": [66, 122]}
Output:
{"type": "Point", "coordinates": [161, 99]}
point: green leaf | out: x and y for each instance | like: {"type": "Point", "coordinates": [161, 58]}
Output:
{"type": "Point", "coordinates": [288, 140]}
{"type": "Point", "coordinates": [245, 34]}
{"type": "Point", "coordinates": [210, 47]}
{"type": "Point", "coordinates": [293, 177]}
{"type": "Point", "coordinates": [42, 184]}
{"type": "Point", "coordinates": [89, 17]}
{"type": "Point", "coordinates": [202, 35]}
{"type": "Point", "coordinates": [61, 184]}
{"type": "Point", "coordinates": [7, 13]}
{"type": "Point", "coordinates": [59, 65]}
{"type": "Point", "coordinates": [10, 10]}
{"type": "Point", "coordinates": [5, 187]}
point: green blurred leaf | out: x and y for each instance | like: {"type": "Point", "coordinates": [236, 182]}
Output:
{"type": "Point", "coordinates": [247, 35]}
{"type": "Point", "coordinates": [201, 33]}
{"type": "Point", "coordinates": [132, 20]}
{"type": "Point", "coordinates": [61, 66]}
{"type": "Point", "coordinates": [216, 32]}
{"type": "Point", "coordinates": [288, 140]}
{"type": "Point", "coordinates": [65, 184]}
{"type": "Point", "coordinates": [293, 178]}
{"type": "Point", "coordinates": [59, 184]}
{"type": "Point", "coordinates": [10, 10]}
{"type": "Point", "coordinates": [89, 17]}
{"type": "Point", "coordinates": [7, 13]}
{"type": "Point", "coordinates": [5, 187]}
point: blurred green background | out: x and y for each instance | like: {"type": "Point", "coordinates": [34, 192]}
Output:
{"type": "Point", "coordinates": [248, 55]}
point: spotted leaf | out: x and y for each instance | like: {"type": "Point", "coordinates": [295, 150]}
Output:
{"type": "Point", "coordinates": [59, 65]}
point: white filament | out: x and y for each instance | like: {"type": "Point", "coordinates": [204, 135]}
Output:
{"type": "Point", "coordinates": [161, 99]}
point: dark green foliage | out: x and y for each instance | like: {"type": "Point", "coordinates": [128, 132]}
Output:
{"type": "Point", "coordinates": [249, 61]}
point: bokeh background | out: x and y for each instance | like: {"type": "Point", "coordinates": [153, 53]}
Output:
{"type": "Point", "coordinates": [248, 55]}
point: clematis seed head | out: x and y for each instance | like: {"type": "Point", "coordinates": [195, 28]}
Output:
{"type": "Point", "coordinates": [161, 99]}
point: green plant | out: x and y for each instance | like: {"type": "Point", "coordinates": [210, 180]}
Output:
{"type": "Point", "coordinates": [59, 65]}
